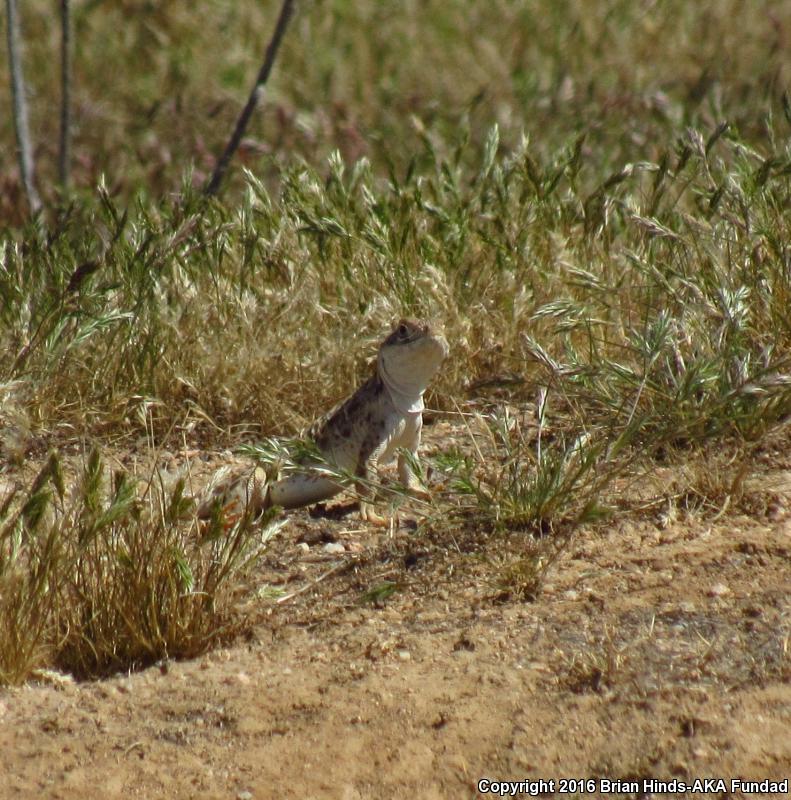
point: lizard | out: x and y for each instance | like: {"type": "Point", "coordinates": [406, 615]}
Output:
{"type": "Point", "coordinates": [384, 416]}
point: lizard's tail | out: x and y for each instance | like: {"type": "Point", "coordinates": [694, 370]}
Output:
{"type": "Point", "coordinates": [249, 490]}
{"type": "Point", "coordinates": [302, 489]}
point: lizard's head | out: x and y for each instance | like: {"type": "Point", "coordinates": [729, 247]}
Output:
{"type": "Point", "coordinates": [410, 356]}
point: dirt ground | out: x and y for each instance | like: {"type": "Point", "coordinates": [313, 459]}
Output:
{"type": "Point", "coordinates": [658, 648]}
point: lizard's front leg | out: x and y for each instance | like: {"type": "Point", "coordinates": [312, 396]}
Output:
{"type": "Point", "coordinates": [410, 442]}
{"type": "Point", "coordinates": [365, 465]}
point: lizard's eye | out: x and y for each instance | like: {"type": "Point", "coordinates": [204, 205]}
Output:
{"type": "Point", "coordinates": [402, 331]}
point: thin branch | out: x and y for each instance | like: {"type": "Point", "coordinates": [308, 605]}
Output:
{"type": "Point", "coordinates": [339, 566]}
{"type": "Point", "coordinates": [19, 101]}
{"type": "Point", "coordinates": [64, 154]}
{"type": "Point", "coordinates": [286, 12]}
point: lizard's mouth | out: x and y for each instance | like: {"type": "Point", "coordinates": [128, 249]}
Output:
{"type": "Point", "coordinates": [408, 369]}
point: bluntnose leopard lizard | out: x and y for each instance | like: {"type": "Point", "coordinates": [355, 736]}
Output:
{"type": "Point", "coordinates": [384, 416]}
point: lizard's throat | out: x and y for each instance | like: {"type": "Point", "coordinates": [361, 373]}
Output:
{"type": "Point", "coordinates": [405, 390]}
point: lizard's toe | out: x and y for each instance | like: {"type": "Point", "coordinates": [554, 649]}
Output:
{"type": "Point", "coordinates": [420, 492]}
{"type": "Point", "coordinates": [373, 518]}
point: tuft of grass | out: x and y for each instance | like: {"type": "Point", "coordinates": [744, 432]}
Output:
{"type": "Point", "coordinates": [536, 473]}
{"type": "Point", "coordinates": [112, 575]}
{"type": "Point", "coordinates": [518, 484]}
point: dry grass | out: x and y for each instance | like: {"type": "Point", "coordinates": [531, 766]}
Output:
{"type": "Point", "coordinates": [114, 573]}
{"type": "Point", "coordinates": [378, 79]}
{"type": "Point", "coordinates": [615, 285]}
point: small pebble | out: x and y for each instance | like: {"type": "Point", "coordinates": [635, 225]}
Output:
{"type": "Point", "coordinates": [334, 548]}
{"type": "Point", "coordinates": [719, 590]}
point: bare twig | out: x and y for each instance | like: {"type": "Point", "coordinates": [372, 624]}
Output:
{"type": "Point", "coordinates": [64, 154]}
{"type": "Point", "coordinates": [24, 149]}
{"type": "Point", "coordinates": [340, 565]}
{"type": "Point", "coordinates": [286, 11]}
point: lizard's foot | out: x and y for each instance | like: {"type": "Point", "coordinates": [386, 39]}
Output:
{"type": "Point", "coordinates": [420, 492]}
{"type": "Point", "coordinates": [373, 518]}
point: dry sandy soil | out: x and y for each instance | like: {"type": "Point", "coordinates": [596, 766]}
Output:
{"type": "Point", "coordinates": [658, 648]}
